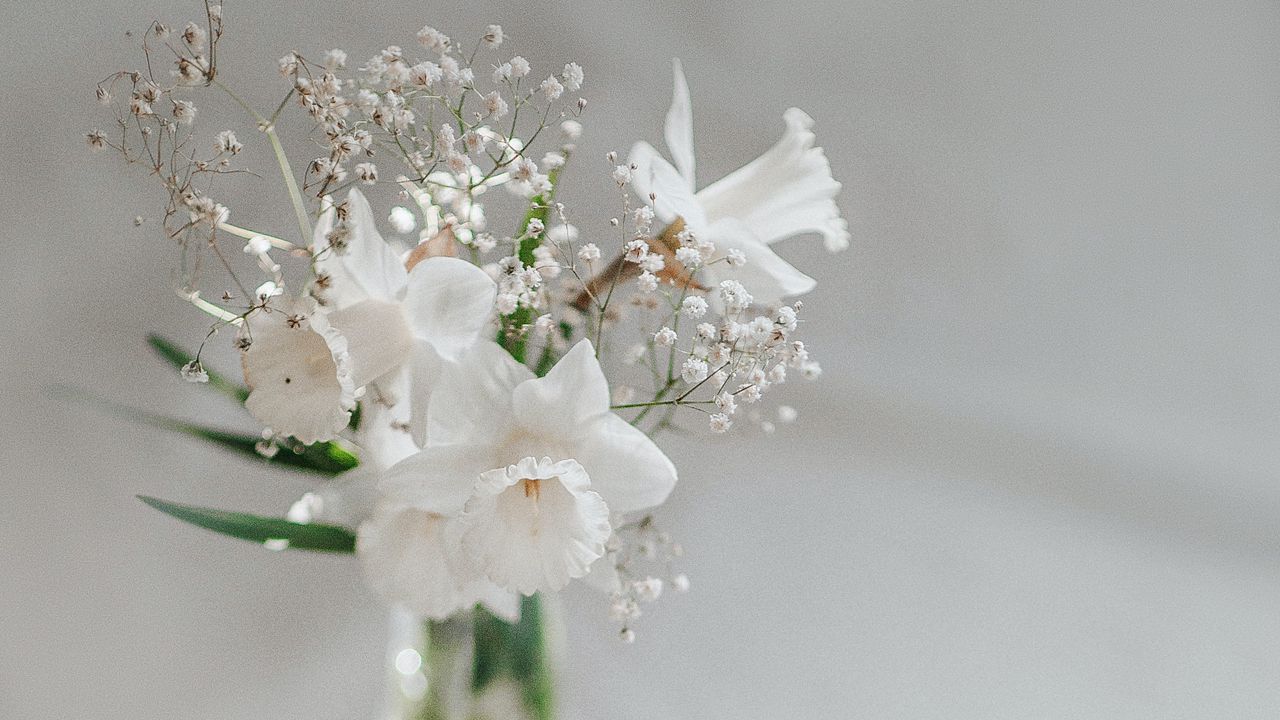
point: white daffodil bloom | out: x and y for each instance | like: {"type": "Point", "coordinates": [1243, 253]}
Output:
{"type": "Point", "coordinates": [410, 557]}
{"type": "Point", "coordinates": [528, 469]}
{"type": "Point", "coordinates": [534, 525]}
{"type": "Point", "coordinates": [786, 191]}
{"type": "Point", "coordinates": [298, 371]}
{"type": "Point", "coordinates": [374, 322]}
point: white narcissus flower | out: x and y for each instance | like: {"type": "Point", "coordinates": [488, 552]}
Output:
{"type": "Point", "coordinates": [786, 191]}
{"type": "Point", "coordinates": [410, 556]}
{"type": "Point", "coordinates": [298, 371]}
{"type": "Point", "coordinates": [529, 470]}
{"type": "Point", "coordinates": [534, 525]}
{"type": "Point", "coordinates": [379, 323]}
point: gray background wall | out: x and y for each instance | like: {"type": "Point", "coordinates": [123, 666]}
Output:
{"type": "Point", "coordinates": [1039, 478]}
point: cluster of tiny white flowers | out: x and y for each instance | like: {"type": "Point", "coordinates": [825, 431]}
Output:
{"type": "Point", "coordinates": [644, 559]}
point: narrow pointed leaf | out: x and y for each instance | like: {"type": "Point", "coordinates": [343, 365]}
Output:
{"type": "Point", "coordinates": [178, 357]}
{"type": "Point", "coordinates": [326, 458]}
{"type": "Point", "coordinates": [259, 529]}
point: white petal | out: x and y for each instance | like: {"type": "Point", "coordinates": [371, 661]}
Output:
{"type": "Point", "coordinates": [449, 302]}
{"type": "Point", "coordinates": [349, 498]}
{"type": "Point", "coordinates": [378, 338]}
{"type": "Point", "coordinates": [786, 191]}
{"type": "Point", "coordinates": [425, 367]}
{"type": "Point", "coordinates": [299, 377]}
{"type": "Point", "coordinates": [571, 394]}
{"type": "Point", "coordinates": [672, 195]}
{"type": "Point", "coordinates": [409, 560]}
{"type": "Point", "coordinates": [679, 125]}
{"type": "Point", "coordinates": [471, 399]}
{"type": "Point", "coordinates": [766, 275]}
{"type": "Point", "coordinates": [369, 269]}
{"type": "Point", "coordinates": [626, 467]}
{"type": "Point", "coordinates": [382, 436]}
{"type": "Point", "coordinates": [535, 525]}
{"type": "Point", "coordinates": [437, 479]}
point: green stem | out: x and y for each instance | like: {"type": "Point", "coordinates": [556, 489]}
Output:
{"type": "Point", "coordinates": [299, 207]}
{"type": "Point", "coordinates": [268, 127]}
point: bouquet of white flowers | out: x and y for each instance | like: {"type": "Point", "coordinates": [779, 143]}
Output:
{"type": "Point", "coordinates": [485, 393]}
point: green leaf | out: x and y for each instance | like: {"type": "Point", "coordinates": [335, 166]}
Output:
{"type": "Point", "coordinates": [326, 458]}
{"type": "Point", "coordinates": [255, 528]}
{"type": "Point", "coordinates": [178, 357]}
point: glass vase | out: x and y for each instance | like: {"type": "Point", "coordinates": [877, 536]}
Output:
{"type": "Point", "coordinates": [473, 666]}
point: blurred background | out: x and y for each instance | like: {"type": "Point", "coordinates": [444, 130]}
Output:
{"type": "Point", "coordinates": [1039, 475]}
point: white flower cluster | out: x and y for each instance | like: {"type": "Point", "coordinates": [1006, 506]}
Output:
{"type": "Point", "coordinates": [497, 459]}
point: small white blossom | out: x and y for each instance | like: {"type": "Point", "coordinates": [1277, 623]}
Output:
{"type": "Point", "coordinates": [194, 36]}
{"type": "Point", "coordinates": [257, 245]}
{"type": "Point", "coordinates": [572, 76]}
{"type": "Point", "coordinates": [787, 414]}
{"type": "Point", "coordinates": [367, 173]}
{"type": "Point", "coordinates": [226, 142]}
{"type": "Point", "coordinates": [735, 258]}
{"type": "Point", "coordinates": [571, 129]}
{"type": "Point", "coordinates": [636, 250]}
{"type": "Point", "coordinates": [589, 253]}
{"type": "Point", "coordinates": [624, 608]}
{"type": "Point", "coordinates": [694, 306]}
{"type": "Point", "coordinates": [648, 589]}
{"type": "Point", "coordinates": [734, 296]}
{"type": "Point", "coordinates": [493, 36]}
{"type": "Point", "coordinates": [288, 64]}
{"type": "Point", "coordinates": [184, 111]}
{"type": "Point", "coordinates": [727, 403]}
{"type": "Point", "coordinates": [551, 88]}
{"type": "Point", "coordinates": [693, 370]}
{"type": "Point", "coordinates": [642, 217]}
{"type": "Point", "coordinates": [335, 58]}
{"type": "Point", "coordinates": [652, 263]}
{"type": "Point", "coordinates": [666, 337]}
{"type": "Point", "coordinates": [519, 67]}
{"type": "Point", "coordinates": [507, 303]}
{"type": "Point", "coordinates": [622, 174]}
{"type": "Point", "coordinates": [402, 220]}
{"type": "Point", "coordinates": [193, 372]}
{"type": "Point", "coordinates": [474, 142]}
{"type": "Point", "coordinates": [433, 39]}
{"type": "Point", "coordinates": [648, 282]}
{"type": "Point", "coordinates": [688, 257]}
{"type": "Point", "coordinates": [720, 423]}
{"type": "Point", "coordinates": [494, 105]}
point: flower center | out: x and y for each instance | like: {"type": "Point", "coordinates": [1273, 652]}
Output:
{"type": "Point", "coordinates": [533, 488]}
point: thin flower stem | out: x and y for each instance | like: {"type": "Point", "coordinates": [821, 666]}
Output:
{"type": "Point", "coordinates": [268, 127]}
{"type": "Point", "coordinates": [299, 208]}
{"type": "Point", "coordinates": [658, 403]}
{"type": "Point", "coordinates": [248, 234]}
